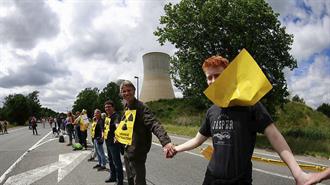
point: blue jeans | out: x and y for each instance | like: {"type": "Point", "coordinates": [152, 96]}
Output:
{"type": "Point", "coordinates": [100, 153]}
{"type": "Point", "coordinates": [116, 166]}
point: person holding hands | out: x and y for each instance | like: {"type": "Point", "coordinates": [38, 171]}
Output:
{"type": "Point", "coordinates": [233, 131]}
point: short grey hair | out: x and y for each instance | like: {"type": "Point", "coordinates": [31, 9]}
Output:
{"type": "Point", "coordinates": [126, 83]}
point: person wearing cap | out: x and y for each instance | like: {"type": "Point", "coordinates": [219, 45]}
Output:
{"type": "Point", "coordinates": [135, 155]}
{"type": "Point", "coordinates": [233, 131]}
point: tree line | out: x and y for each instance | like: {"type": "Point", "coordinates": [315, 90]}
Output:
{"type": "Point", "coordinates": [18, 108]}
{"type": "Point", "coordinates": [92, 98]}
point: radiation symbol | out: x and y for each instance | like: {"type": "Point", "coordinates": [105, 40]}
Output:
{"type": "Point", "coordinates": [124, 132]}
{"type": "Point", "coordinates": [124, 125]}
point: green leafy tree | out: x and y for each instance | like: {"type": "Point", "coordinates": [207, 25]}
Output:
{"type": "Point", "coordinates": [87, 99]}
{"type": "Point", "coordinates": [46, 112]}
{"type": "Point", "coordinates": [202, 28]}
{"type": "Point", "coordinates": [325, 109]}
{"type": "Point", "coordinates": [34, 104]}
{"type": "Point", "coordinates": [296, 98]}
{"type": "Point", "coordinates": [2, 114]}
{"type": "Point", "coordinates": [16, 109]}
{"type": "Point", "coordinates": [111, 92]}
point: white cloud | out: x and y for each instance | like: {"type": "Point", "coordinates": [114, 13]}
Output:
{"type": "Point", "coordinates": [309, 22]}
{"type": "Point", "coordinates": [26, 23]}
{"type": "Point", "coordinates": [42, 71]}
{"type": "Point", "coordinates": [313, 85]}
{"type": "Point", "coordinates": [310, 38]}
{"type": "Point", "coordinates": [72, 45]}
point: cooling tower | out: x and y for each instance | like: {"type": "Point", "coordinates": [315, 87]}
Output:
{"type": "Point", "coordinates": [156, 81]}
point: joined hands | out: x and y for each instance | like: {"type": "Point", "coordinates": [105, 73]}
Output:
{"type": "Point", "coordinates": [169, 150]}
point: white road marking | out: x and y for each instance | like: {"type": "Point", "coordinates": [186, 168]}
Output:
{"type": "Point", "coordinates": [276, 174]}
{"type": "Point", "coordinates": [73, 159]}
{"type": "Point", "coordinates": [278, 157]}
{"type": "Point", "coordinates": [67, 162]}
{"type": "Point", "coordinates": [3, 176]}
{"type": "Point", "coordinates": [258, 153]}
{"type": "Point", "coordinates": [255, 169]}
{"type": "Point", "coordinates": [46, 142]}
{"type": "Point", "coordinates": [186, 139]}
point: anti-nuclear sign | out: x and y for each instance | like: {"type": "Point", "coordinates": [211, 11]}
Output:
{"type": "Point", "coordinates": [124, 131]}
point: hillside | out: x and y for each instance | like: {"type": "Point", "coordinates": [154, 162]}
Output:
{"type": "Point", "coordinates": [307, 131]}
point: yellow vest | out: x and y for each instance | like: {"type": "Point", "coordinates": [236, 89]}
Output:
{"type": "Point", "coordinates": [93, 129]}
{"type": "Point", "coordinates": [106, 127]}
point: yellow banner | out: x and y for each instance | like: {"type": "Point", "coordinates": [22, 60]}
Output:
{"type": "Point", "coordinates": [124, 131]}
{"type": "Point", "coordinates": [242, 83]}
{"type": "Point", "coordinates": [93, 129]}
{"type": "Point", "coordinates": [106, 127]}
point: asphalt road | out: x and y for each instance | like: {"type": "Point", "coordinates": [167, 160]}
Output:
{"type": "Point", "coordinates": [29, 159]}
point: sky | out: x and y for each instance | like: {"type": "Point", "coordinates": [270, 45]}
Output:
{"type": "Point", "coordinates": [60, 47]}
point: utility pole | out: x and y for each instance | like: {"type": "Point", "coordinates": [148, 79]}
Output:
{"type": "Point", "coordinates": [137, 87]}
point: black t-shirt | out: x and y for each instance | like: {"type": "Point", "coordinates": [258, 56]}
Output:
{"type": "Point", "coordinates": [233, 131]}
{"type": "Point", "coordinates": [99, 129]}
{"type": "Point", "coordinates": [111, 134]}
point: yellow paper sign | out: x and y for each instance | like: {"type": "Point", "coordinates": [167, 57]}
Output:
{"type": "Point", "coordinates": [93, 129]}
{"type": "Point", "coordinates": [124, 131]}
{"type": "Point", "coordinates": [242, 83]}
{"type": "Point", "coordinates": [106, 127]}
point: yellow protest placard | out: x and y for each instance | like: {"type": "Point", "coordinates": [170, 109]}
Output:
{"type": "Point", "coordinates": [124, 131]}
{"type": "Point", "coordinates": [242, 83]}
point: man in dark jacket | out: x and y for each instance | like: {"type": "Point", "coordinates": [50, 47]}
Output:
{"type": "Point", "coordinates": [113, 148]}
{"type": "Point", "coordinates": [135, 155]}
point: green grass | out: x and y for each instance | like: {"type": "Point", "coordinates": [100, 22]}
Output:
{"type": "Point", "coordinates": [299, 145]}
{"type": "Point", "coordinates": [306, 131]}
{"type": "Point", "coordinates": [182, 130]}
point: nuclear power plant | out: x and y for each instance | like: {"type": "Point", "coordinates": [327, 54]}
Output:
{"type": "Point", "coordinates": [156, 81]}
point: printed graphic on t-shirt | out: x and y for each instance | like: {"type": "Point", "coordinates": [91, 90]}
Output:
{"type": "Point", "coordinates": [223, 130]}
